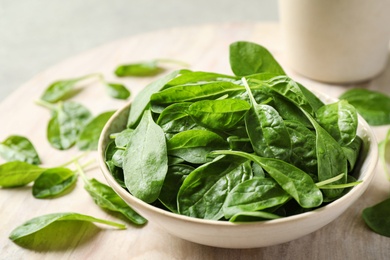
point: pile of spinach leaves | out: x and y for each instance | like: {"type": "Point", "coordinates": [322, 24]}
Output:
{"type": "Point", "coordinates": [250, 146]}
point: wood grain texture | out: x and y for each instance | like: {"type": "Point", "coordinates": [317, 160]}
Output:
{"type": "Point", "coordinates": [205, 48]}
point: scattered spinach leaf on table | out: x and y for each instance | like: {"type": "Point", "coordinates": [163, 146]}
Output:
{"type": "Point", "coordinates": [105, 197]}
{"type": "Point", "coordinates": [53, 182]}
{"type": "Point", "coordinates": [38, 224]}
{"type": "Point", "coordinates": [19, 148]}
{"type": "Point", "coordinates": [146, 68]}
{"type": "Point", "coordinates": [17, 173]}
{"type": "Point", "coordinates": [377, 217]}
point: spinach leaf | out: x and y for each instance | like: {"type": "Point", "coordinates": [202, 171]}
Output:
{"type": "Point", "coordinates": [88, 137]}
{"type": "Point", "coordinates": [38, 224]}
{"type": "Point", "coordinates": [331, 159]}
{"type": "Point", "coordinates": [248, 58]}
{"type": "Point", "coordinates": [145, 161]}
{"type": "Point", "coordinates": [352, 152]}
{"type": "Point", "coordinates": [105, 197]}
{"type": "Point", "coordinates": [253, 216]}
{"type": "Point", "coordinates": [384, 153]}
{"type": "Point", "coordinates": [16, 173]}
{"type": "Point", "coordinates": [293, 180]}
{"type": "Point", "coordinates": [53, 182]}
{"type": "Point", "coordinates": [196, 77]}
{"type": "Point", "coordinates": [294, 92]}
{"type": "Point", "coordinates": [122, 139]}
{"type": "Point", "coordinates": [266, 130]}
{"type": "Point", "coordinates": [19, 148]}
{"type": "Point", "coordinates": [142, 101]}
{"type": "Point", "coordinates": [186, 93]}
{"type": "Point", "coordinates": [67, 120]}
{"type": "Point", "coordinates": [339, 120]}
{"type": "Point", "coordinates": [118, 91]}
{"type": "Point", "coordinates": [204, 191]}
{"type": "Point", "coordinates": [220, 115]}
{"type": "Point", "coordinates": [61, 89]}
{"type": "Point", "coordinates": [116, 172]}
{"type": "Point", "coordinates": [146, 68]}
{"type": "Point", "coordinates": [254, 195]}
{"type": "Point", "coordinates": [377, 217]}
{"type": "Point", "coordinates": [175, 118]}
{"type": "Point", "coordinates": [372, 105]}
{"type": "Point", "coordinates": [141, 69]}
{"type": "Point", "coordinates": [194, 145]}
{"type": "Point", "coordinates": [303, 143]}
{"type": "Point", "coordinates": [174, 179]}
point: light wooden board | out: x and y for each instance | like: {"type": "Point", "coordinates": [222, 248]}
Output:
{"type": "Point", "coordinates": [205, 48]}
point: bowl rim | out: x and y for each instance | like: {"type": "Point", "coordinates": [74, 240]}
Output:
{"type": "Point", "coordinates": [372, 153]}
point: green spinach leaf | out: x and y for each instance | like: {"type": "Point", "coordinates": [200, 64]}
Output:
{"type": "Point", "coordinates": [143, 98]}
{"type": "Point", "coordinates": [88, 137]}
{"type": "Point", "coordinates": [60, 90]}
{"type": "Point", "coordinates": [53, 182]}
{"type": "Point", "coordinates": [219, 115]}
{"type": "Point", "coordinates": [339, 120]}
{"type": "Point", "coordinates": [145, 161]}
{"type": "Point", "coordinates": [267, 131]}
{"type": "Point", "coordinates": [16, 173]}
{"type": "Point", "coordinates": [377, 217]}
{"type": "Point", "coordinates": [293, 180]}
{"type": "Point", "coordinates": [204, 191]}
{"type": "Point", "coordinates": [194, 146]}
{"type": "Point", "coordinates": [118, 91]}
{"type": "Point", "coordinates": [247, 58]}
{"type": "Point", "coordinates": [372, 105]}
{"type": "Point", "coordinates": [67, 120]}
{"type": "Point", "coordinates": [19, 148]}
{"type": "Point", "coordinates": [38, 224]}
{"type": "Point", "coordinates": [254, 195]}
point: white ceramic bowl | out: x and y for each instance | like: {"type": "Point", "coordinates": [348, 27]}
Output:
{"type": "Point", "coordinates": [244, 235]}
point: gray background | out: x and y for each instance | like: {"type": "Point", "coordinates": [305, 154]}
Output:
{"type": "Point", "coordinates": [37, 34]}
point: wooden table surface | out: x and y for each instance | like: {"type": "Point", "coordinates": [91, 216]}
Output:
{"type": "Point", "coordinates": [204, 48]}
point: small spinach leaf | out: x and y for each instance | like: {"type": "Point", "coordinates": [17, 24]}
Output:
{"type": "Point", "coordinates": [105, 197]}
{"type": "Point", "coordinates": [67, 120]}
{"type": "Point", "coordinates": [118, 91]}
{"type": "Point", "coordinates": [53, 182]}
{"type": "Point", "coordinates": [16, 173]}
{"type": "Point", "coordinates": [248, 58]}
{"type": "Point", "coordinates": [19, 148]}
{"type": "Point", "coordinates": [61, 89]}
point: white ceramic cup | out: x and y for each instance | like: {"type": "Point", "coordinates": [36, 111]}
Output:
{"type": "Point", "coordinates": [336, 41]}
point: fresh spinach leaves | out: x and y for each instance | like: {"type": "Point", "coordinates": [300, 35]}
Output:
{"type": "Point", "coordinates": [222, 147]}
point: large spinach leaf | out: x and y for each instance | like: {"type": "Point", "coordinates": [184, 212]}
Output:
{"type": "Point", "coordinates": [19, 148]}
{"type": "Point", "coordinates": [145, 161]}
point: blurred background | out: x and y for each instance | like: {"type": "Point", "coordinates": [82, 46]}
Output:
{"type": "Point", "coordinates": [37, 34]}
